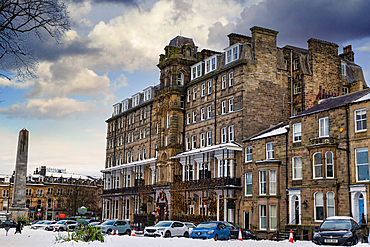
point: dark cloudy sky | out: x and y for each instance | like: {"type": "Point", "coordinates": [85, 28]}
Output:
{"type": "Point", "coordinates": [112, 51]}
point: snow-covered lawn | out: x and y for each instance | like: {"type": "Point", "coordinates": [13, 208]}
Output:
{"type": "Point", "coordinates": [41, 238]}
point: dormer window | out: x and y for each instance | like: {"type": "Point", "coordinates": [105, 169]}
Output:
{"type": "Point", "coordinates": [116, 109]}
{"type": "Point", "coordinates": [295, 64]}
{"type": "Point", "coordinates": [232, 53]}
{"type": "Point", "coordinates": [196, 71]}
{"type": "Point", "coordinates": [210, 64]}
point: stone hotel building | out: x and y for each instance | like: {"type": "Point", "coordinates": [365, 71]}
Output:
{"type": "Point", "coordinates": [183, 149]}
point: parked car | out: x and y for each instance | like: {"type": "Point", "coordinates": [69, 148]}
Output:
{"type": "Point", "coordinates": [211, 229]}
{"type": "Point", "coordinates": [11, 224]}
{"type": "Point", "coordinates": [62, 225]}
{"type": "Point", "coordinates": [191, 226]}
{"type": "Point", "coordinates": [338, 230]}
{"type": "Point", "coordinates": [42, 224]}
{"type": "Point", "coordinates": [167, 229]}
{"type": "Point", "coordinates": [109, 226]}
{"type": "Point", "coordinates": [234, 231]}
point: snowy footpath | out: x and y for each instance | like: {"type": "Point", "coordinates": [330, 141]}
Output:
{"type": "Point", "coordinates": [41, 238]}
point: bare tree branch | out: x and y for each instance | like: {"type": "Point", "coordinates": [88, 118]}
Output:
{"type": "Point", "coordinates": [21, 18]}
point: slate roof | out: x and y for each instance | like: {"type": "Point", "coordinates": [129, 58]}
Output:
{"type": "Point", "coordinates": [181, 41]}
{"type": "Point", "coordinates": [332, 103]}
{"type": "Point", "coordinates": [272, 131]}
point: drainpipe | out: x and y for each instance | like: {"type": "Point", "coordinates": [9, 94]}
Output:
{"type": "Point", "coordinates": [215, 78]}
{"type": "Point", "coordinates": [348, 159]}
{"type": "Point", "coordinates": [286, 175]}
{"type": "Point", "coordinates": [291, 83]}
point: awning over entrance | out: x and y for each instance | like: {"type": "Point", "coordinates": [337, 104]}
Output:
{"type": "Point", "coordinates": [228, 146]}
{"type": "Point", "coordinates": [132, 164]}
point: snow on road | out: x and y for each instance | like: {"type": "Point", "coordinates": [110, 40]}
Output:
{"type": "Point", "coordinates": [41, 238]}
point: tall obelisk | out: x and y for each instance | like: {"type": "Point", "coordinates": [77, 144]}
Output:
{"type": "Point", "coordinates": [18, 207]}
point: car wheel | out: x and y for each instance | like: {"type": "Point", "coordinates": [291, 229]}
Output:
{"type": "Point", "coordinates": [167, 234]}
{"type": "Point", "coordinates": [128, 232]}
{"type": "Point", "coordinates": [109, 231]}
{"type": "Point", "coordinates": [186, 234]}
{"type": "Point", "coordinates": [216, 237]}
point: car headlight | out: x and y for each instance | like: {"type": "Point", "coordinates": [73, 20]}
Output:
{"type": "Point", "coordinates": [348, 235]}
{"type": "Point", "coordinates": [160, 229]}
{"type": "Point", "coordinates": [316, 235]}
{"type": "Point", "coordinates": [210, 232]}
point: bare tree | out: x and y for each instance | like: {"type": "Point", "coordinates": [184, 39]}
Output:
{"type": "Point", "coordinates": [19, 19]}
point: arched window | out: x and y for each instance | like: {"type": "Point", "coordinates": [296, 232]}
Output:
{"type": "Point", "coordinates": [329, 164]}
{"type": "Point", "coordinates": [317, 161]}
{"type": "Point", "coordinates": [319, 206]}
{"type": "Point", "coordinates": [330, 204]}
{"type": "Point", "coordinates": [180, 79]}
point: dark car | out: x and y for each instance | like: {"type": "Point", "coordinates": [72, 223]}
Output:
{"type": "Point", "coordinates": [10, 224]}
{"type": "Point", "coordinates": [338, 230]}
{"type": "Point", "coordinates": [234, 231]}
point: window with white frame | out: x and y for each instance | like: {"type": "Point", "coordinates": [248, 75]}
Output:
{"type": "Point", "coordinates": [141, 115]}
{"type": "Point", "coordinates": [330, 204]}
{"type": "Point", "coordinates": [329, 164]}
{"type": "Point", "coordinates": [324, 127]}
{"type": "Point", "coordinates": [297, 135]}
{"type": "Point", "coordinates": [213, 63]}
{"type": "Point", "coordinates": [194, 142]}
{"type": "Point", "coordinates": [209, 138]}
{"type": "Point", "coordinates": [208, 66]}
{"type": "Point", "coordinates": [132, 156]}
{"type": "Point", "coordinates": [223, 135]}
{"type": "Point", "coordinates": [188, 118]}
{"type": "Point", "coordinates": [248, 154]}
{"type": "Point", "coordinates": [297, 88]}
{"type": "Point", "coordinates": [295, 64]}
{"type": "Point", "coordinates": [145, 113]}
{"type": "Point", "coordinates": [209, 87]}
{"type": "Point", "coordinates": [262, 183]}
{"type": "Point", "coordinates": [273, 218]}
{"type": "Point", "coordinates": [133, 117]}
{"type": "Point", "coordinates": [144, 133]}
{"type": "Point", "coordinates": [202, 140]}
{"type": "Point", "coordinates": [360, 118]}
{"type": "Point", "coordinates": [269, 150]}
{"type": "Point", "coordinates": [132, 137]}
{"type": "Point", "coordinates": [319, 206]}
{"type": "Point", "coordinates": [223, 82]}
{"type": "Point", "coordinates": [228, 56]}
{"type": "Point", "coordinates": [180, 79]}
{"type": "Point", "coordinates": [141, 134]}
{"type": "Point", "coordinates": [343, 69]}
{"type": "Point", "coordinates": [248, 184]}
{"type": "Point", "coordinates": [189, 172]}
{"type": "Point", "coordinates": [144, 153]}
{"type": "Point", "coordinates": [231, 79]}
{"type": "Point", "coordinates": [297, 167]}
{"type": "Point", "coordinates": [139, 158]}
{"type": "Point", "coordinates": [345, 90]}
{"type": "Point", "coordinates": [203, 93]}
{"type": "Point", "coordinates": [231, 104]}
{"type": "Point", "coordinates": [168, 120]}
{"type": "Point", "coordinates": [232, 53]}
{"type": "Point", "coordinates": [194, 116]}
{"type": "Point", "coordinates": [317, 161]}
{"type": "Point", "coordinates": [209, 111]}
{"type": "Point", "coordinates": [188, 143]}
{"type": "Point", "coordinates": [202, 114]}
{"type": "Point", "coordinates": [194, 93]}
{"type": "Point", "coordinates": [362, 164]}
{"type": "Point", "coordinates": [223, 107]}
{"type": "Point", "coordinates": [196, 71]}
{"type": "Point", "coordinates": [5, 193]}
{"type": "Point", "coordinates": [272, 182]}
{"type": "Point", "coordinates": [263, 215]}
{"type": "Point", "coordinates": [128, 138]}
{"type": "Point", "coordinates": [231, 133]}
{"type": "Point", "coordinates": [188, 96]}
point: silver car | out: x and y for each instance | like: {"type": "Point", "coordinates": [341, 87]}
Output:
{"type": "Point", "coordinates": [167, 229]}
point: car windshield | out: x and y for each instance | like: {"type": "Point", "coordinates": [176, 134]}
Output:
{"type": "Point", "coordinates": [164, 224]}
{"type": "Point", "coordinates": [207, 225]}
{"type": "Point", "coordinates": [41, 222]}
{"type": "Point", "coordinates": [109, 223]}
{"type": "Point", "coordinates": [189, 225]}
{"type": "Point", "coordinates": [336, 225]}
{"type": "Point", "coordinates": [48, 223]}
{"type": "Point", "coordinates": [61, 222]}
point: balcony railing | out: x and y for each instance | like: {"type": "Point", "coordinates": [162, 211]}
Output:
{"type": "Point", "coordinates": [322, 141]}
{"type": "Point", "coordinates": [130, 190]}
{"type": "Point", "coordinates": [206, 183]}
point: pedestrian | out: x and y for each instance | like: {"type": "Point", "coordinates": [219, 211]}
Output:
{"type": "Point", "coordinates": [18, 228]}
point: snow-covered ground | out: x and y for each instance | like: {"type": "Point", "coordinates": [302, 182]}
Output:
{"type": "Point", "coordinates": [41, 238]}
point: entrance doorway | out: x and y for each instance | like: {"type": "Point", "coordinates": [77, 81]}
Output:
{"type": "Point", "coordinates": [360, 208]}
{"type": "Point", "coordinates": [246, 220]}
